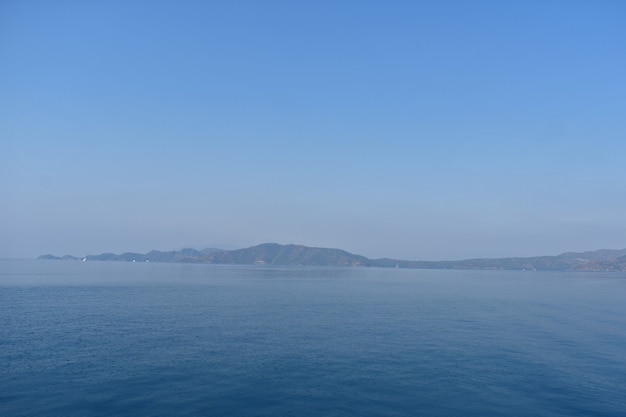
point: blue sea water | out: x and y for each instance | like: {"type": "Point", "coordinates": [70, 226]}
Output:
{"type": "Point", "coordinates": [137, 339]}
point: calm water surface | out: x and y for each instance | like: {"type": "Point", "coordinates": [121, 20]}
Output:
{"type": "Point", "coordinates": [105, 338]}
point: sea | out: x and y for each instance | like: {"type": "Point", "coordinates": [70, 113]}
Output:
{"type": "Point", "coordinates": [149, 339]}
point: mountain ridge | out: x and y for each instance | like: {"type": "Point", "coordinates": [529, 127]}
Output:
{"type": "Point", "coordinates": [300, 255]}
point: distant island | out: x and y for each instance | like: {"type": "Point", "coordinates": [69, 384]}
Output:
{"type": "Point", "coordinates": [298, 255]}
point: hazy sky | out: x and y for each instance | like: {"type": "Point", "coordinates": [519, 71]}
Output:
{"type": "Point", "coordinates": [407, 129]}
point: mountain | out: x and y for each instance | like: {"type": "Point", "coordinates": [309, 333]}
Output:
{"type": "Point", "coordinates": [612, 264]}
{"type": "Point", "coordinates": [264, 254]}
{"type": "Point", "coordinates": [184, 255]}
{"type": "Point", "coordinates": [600, 260]}
{"type": "Point", "coordinates": [275, 254]}
{"type": "Point", "coordinates": [61, 258]}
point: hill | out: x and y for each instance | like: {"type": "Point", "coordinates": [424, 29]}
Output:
{"type": "Point", "coordinates": [276, 254]}
{"type": "Point", "coordinates": [184, 255]}
{"type": "Point", "coordinates": [600, 260]}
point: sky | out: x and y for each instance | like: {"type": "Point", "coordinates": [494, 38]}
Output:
{"type": "Point", "coordinates": [421, 130]}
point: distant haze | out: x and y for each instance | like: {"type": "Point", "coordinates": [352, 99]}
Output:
{"type": "Point", "coordinates": [412, 130]}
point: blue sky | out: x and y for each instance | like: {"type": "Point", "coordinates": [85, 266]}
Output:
{"type": "Point", "coordinates": [416, 130]}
